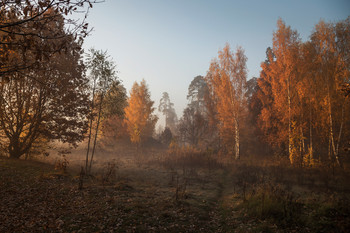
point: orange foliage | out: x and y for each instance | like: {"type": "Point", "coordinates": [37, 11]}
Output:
{"type": "Point", "coordinates": [303, 108]}
{"type": "Point", "coordinates": [139, 113]}
{"type": "Point", "coordinates": [226, 81]}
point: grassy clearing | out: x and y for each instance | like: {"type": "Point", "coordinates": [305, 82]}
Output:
{"type": "Point", "coordinates": [181, 191]}
{"type": "Point", "coordinates": [290, 199]}
{"type": "Point", "coordinates": [136, 198]}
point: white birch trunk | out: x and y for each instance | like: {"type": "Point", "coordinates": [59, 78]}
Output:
{"type": "Point", "coordinates": [237, 155]}
{"type": "Point", "coordinates": [289, 120]}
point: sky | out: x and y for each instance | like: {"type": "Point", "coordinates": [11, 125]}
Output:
{"type": "Point", "coordinates": [169, 42]}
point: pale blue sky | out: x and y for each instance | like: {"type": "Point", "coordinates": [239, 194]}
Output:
{"type": "Point", "coordinates": [169, 42]}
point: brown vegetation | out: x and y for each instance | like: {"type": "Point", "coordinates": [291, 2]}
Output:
{"type": "Point", "coordinates": [180, 190]}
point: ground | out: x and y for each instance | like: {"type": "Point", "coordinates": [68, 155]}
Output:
{"type": "Point", "coordinates": [171, 192]}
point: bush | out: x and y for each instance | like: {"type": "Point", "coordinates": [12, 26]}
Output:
{"type": "Point", "coordinates": [166, 137]}
{"type": "Point", "coordinates": [109, 172]}
{"type": "Point", "coordinates": [61, 165]}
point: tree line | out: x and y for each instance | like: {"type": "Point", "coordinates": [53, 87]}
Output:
{"type": "Point", "coordinates": [298, 106]}
{"type": "Point", "coordinates": [302, 93]}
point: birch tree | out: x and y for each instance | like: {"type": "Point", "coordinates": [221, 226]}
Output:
{"type": "Point", "coordinates": [300, 89]}
{"type": "Point", "coordinates": [226, 80]}
{"type": "Point", "coordinates": [279, 78]}
{"type": "Point", "coordinates": [331, 43]}
{"type": "Point", "coordinates": [103, 75]}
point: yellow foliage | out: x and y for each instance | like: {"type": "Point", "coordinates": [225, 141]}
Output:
{"type": "Point", "coordinates": [139, 116]}
{"type": "Point", "coordinates": [309, 160]}
{"type": "Point", "coordinates": [226, 81]}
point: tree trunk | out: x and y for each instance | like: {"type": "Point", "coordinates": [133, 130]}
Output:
{"type": "Point", "coordinates": [336, 151]}
{"type": "Point", "coordinates": [310, 149]}
{"type": "Point", "coordinates": [14, 151]}
{"type": "Point", "coordinates": [301, 146]}
{"type": "Point", "coordinates": [235, 116]}
{"type": "Point", "coordinates": [289, 120]}
{"type": "Point", "coordinates": [96, 132]}
{"type": "Point", "coordinates": [331, 136]}
{"type": "Point", "coordinates": [237, 155]}
{"type": "Point", "coordinates": [91, 120]}
{"type": "Point", "coordinates": [332, 147]}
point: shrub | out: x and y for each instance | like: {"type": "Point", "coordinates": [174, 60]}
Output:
{"type": "Point", "coordinates": [62, 164]}
{"type": "Point", "coordinates": [109, 172]}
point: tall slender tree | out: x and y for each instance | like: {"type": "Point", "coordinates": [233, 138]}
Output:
{"type": "Point", "coordinates": [103, 75]}
{"type": "Point", "coordinates": [112, 123]}
{"type": "Point", "coordinates": [226, 80]}
{"type": "Point", "coordinates": [167, 108]}
{"type": "Point", "coordinates": [280, 76]}
{"type": "Point", "coordinates": [331, 43]}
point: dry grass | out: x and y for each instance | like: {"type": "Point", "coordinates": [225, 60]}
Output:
{"type": "Point", "coordinates": [186, 190]}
